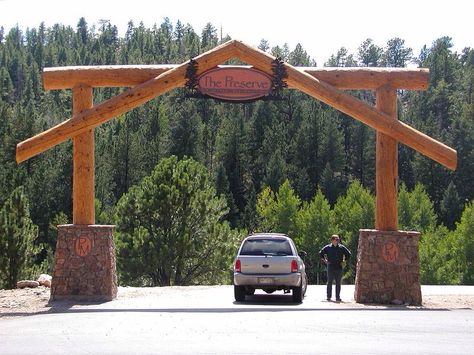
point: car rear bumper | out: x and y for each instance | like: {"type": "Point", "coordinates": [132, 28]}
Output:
{"type": "Point", "coordinates": [268, 280]}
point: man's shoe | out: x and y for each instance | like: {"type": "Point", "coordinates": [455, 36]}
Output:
{"type": "Point", "coordinates": [328, 299]}
{"type": "Point", "coordinates": [338, 300]}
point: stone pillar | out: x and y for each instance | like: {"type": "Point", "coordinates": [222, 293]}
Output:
{"type": "Point", "coordinates": [84, 263]}
{"type": "Point", "coordinates": [388, 267]}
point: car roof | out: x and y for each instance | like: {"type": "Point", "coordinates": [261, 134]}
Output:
{"type": "Point", "coordinates": [267, 235]}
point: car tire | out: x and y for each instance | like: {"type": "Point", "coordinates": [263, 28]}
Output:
{"type": "Point", "coordinates": [298, 294]}
{"type": "Point", "coordinates": [239, 293]}
{"type": "Point", "coordinates": [250, 291]}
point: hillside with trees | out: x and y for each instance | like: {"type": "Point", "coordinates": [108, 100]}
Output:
{"type": "Point", "coordinates": [294, 165]}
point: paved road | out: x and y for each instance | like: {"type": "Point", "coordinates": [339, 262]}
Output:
{"type": "Point", "coordinates": [205, 320]}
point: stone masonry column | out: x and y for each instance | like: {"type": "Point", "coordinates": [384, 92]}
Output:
{"type": "Point", "coordinates": [388, 268]}
{"type": "Point", "coordinates": [84, 263]}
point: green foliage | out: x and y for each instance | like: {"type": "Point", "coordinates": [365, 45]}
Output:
{"type": "Point", "coordinates": [275, 171]}
{"type": "Point", "coordinates": [17, 238]}
{"type": "Point", "coordinates": [353, 211]}
{"type": "Point", "coordinates": [286, 207]}
{"type": "Point", "coordinates": [265, 210]}
{"type": "Point", "coordinates": [341, 59]}
{"type": "Point", "coordinates": [441, 257]}
{"type": "Point", "coordinates": [102, 216]}
{"type": "Point", "coordinates": [329, 184]}
{"type": "Point", "coordinates": [278, 211]}
{"type": "Point", "coordinates": [396, 54]}
{"type": "Point", "coordinates": [369, 53]}
{"type": "Point", "coordinates": [185, 130]}
{"type": "Point", "coordinates": [47, 252]}
{"type": "Point", "coordinates": [223, 189]}
{"type": "Point", "coordinates": [451, 206]}
{"type": "Point", "coordinates": [169, 229]}
{"type": "Point", "coordinates": [415, 210]}
{"type": "Point", "coordinates": [315, 223]}
{"type": "Point", "coordinates": [464, 236]}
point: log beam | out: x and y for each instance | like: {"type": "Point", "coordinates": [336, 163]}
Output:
{"type": "Point", "coordinates": [101, 75]}
{"type": "Point", "coordinates": [371, 78]}
{"type": "Point", "coordinates": [386, 166]}
{"type": "Point", "coordinates": [120, 104]}
{"type": "Point", "coordinates": [354, 108]}
{"type": "Point", "coordinates": [131, 75]}
{"type": "Point", "coordinates": [83, 208]}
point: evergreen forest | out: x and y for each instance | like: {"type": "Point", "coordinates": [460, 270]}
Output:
{"type": "Point", "coordinates": [292, 165]}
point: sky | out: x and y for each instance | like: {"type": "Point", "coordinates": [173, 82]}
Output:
{"type": "Point", "coordinates": [322, 27]}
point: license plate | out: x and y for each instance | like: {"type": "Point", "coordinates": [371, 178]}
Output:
{"type": "Point", "coordinates": [265, 280]}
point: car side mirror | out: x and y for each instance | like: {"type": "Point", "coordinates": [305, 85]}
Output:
{"type": "Point", "coordinates": [303, 254]}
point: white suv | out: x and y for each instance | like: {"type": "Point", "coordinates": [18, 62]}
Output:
{"type": "Point", "coordinates": [269, 261]}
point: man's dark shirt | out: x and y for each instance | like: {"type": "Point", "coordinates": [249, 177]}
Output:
{"type": "Point", "coordinates": [335, 255]}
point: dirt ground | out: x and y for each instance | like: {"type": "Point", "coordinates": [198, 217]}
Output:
{"type": "Point", "coordinates": [30, 301]}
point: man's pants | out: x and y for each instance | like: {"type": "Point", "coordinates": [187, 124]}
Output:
{"type": "Point", "coordinates": [334, 274]}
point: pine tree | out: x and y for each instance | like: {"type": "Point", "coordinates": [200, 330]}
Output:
{"type": "Point", "coordinates": [250, 214]}
{"type": "Point", "coordinates": [341, 59]}
{"type": "Point", "coordinates": [463, 140]}
{"type": "Point", "coordinates": [185, 131]}
{"type": "Point", "coordinates": [396, 54]}
{"type": "Point", "coordinates": [464, 234]}
{"type": "Point", "coordinates": [209, 37]}
{"type": "Point", "coordinates": [17, 239]}
{"type": "Point", "coordinates": [330, 184]}
{"type": "Point", "coordinates": [299, 57]}
{"type": "Point", "coordinates": [169, 229]}
{"type": "Point", "coordinates": [369, 53]}
{"type": "Point", "coordinates": [233, 151]}
{"type": "Point", "coordinates": [223, 190]}
{"type": "Point", "coordinates": [333, 144]}
{"type": "Point", "coordinates": [263, 45]}
{"type": "Point", "coordinates": [451, 206]}
{"type": "Point", "coordinates": [275, 171]}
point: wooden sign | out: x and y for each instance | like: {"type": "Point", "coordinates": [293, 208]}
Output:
{"type": "Point", "coordinates": [83, 246]}
{"type": "Point", "coordinates": [390, 252]}
{"type": "Point", "coordinates": [235, 83]}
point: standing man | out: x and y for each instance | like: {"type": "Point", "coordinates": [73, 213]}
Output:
{"type": "Point", "coordinates": [334, 255]}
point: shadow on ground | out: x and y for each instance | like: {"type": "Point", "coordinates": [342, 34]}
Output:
{"type": "Point", "coordinates": [255, 303]}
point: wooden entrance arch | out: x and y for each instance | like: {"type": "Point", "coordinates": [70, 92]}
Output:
{"type": "Point", "coordinates": [324, 84]}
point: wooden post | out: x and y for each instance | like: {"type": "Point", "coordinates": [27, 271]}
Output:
{"type": "Point", "coordinates": [83, 210]}
{"type": "Point", "coordinates": [386, 215]}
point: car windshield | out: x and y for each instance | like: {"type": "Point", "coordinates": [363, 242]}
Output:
{"type": "Point", "coordinates": [266, 247]}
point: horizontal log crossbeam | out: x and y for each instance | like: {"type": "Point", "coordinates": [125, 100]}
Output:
{"type": "Point", "coordinates": [301, 79]}
{"type": "Point", "coordinates": [132, 75]}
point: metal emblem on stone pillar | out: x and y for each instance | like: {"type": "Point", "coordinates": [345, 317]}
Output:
{"type": "Point", "coordinates": [390, 252]}
{"type": "Point", "coordinates": [83, 246]}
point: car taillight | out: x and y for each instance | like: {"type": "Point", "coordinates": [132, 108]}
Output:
{"type": "Point", "coordinates": [294, 266]}
{"type": "Point", "coordinates": [237, 266]}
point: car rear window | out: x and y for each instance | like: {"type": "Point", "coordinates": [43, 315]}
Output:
{"type": "Point", "coordinates": [266, 247]}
